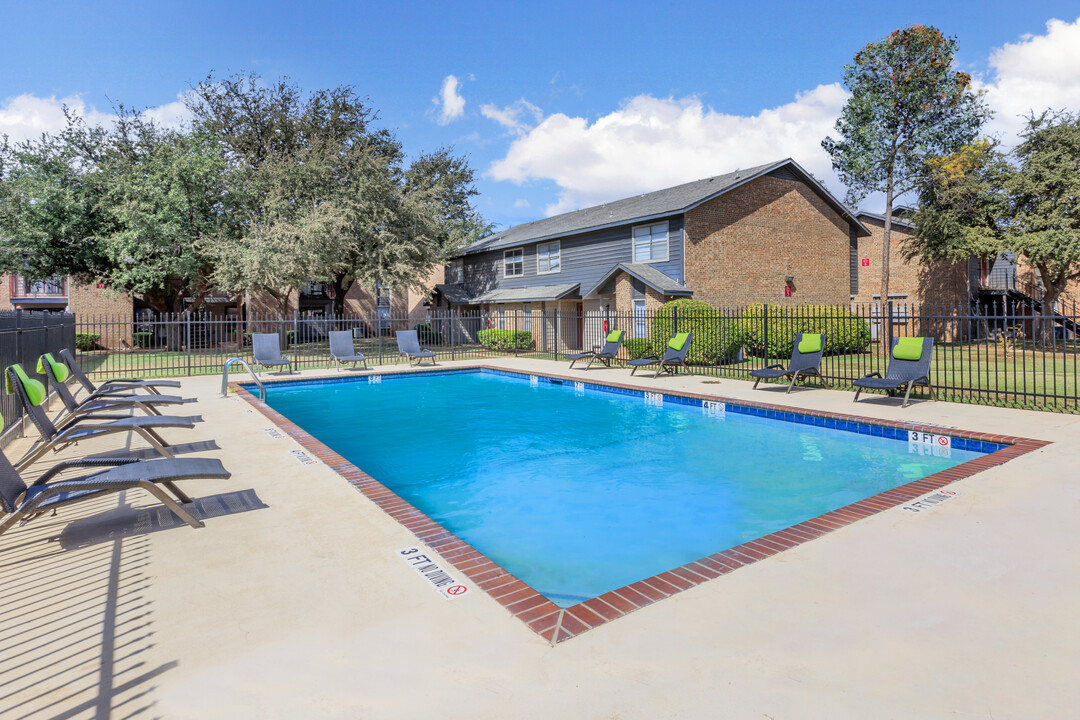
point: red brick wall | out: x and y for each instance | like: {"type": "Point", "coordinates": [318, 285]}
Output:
{"type": "Point", "coordinates": [741, 245]}
{"type": "Point", "coordinates": [943, 283]}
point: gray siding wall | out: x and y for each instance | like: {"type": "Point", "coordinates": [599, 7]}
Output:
{"type": "Point", "coordinates": [585, 258]}
{"type": "Point", "coordinates": [1002, 271]}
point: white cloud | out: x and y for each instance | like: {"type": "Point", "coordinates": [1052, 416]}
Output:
{"type": "Point", "coordinates": [512, 117]}
{"type": "Point", "coordinates": [651, 143]}
{"type": "Point", "coordinates": [1031, 75]}
{"type": "Point", "coordinates": [521, 203]}
{"type": "Point", "coordinates": [450, 103]}
{"type": "Point", "coordinates": [27, 116]}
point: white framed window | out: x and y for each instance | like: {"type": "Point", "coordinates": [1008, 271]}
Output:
{"type": "Point", "coordinates": [514, 263]}
{"type": "Point", "coordinates": [548, 258]}
{"type": "Point", "coordinates": [640, 324]}
{"type": "Point", "coordinates": [526, 311]}
{"type": "Point", "coordinates": [651, 242]}
{"type": "Point", "coordinates": [456, 272]}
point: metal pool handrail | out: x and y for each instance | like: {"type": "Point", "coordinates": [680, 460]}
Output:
{"type": "Point", "coordinates": [225, 377]}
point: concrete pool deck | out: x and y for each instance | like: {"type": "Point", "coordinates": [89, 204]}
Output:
{"type": "Point", "coordinates": [292, 601]}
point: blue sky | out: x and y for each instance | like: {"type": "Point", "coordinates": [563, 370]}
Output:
{"type": "Point", "coordinates": [558, 105]}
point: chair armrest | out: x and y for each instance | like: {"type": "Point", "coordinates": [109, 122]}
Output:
{"type": "Point", "coordinates": [873, 374]}
{"type": "Point", "coordinates": [778, 366]}
{"type": "Point", "coordinates": [83, 462]}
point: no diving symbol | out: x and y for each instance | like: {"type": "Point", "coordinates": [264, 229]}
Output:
{"type": "Point", "coordinates": [942, 440]}
{"type": "Point", "coordinates": [456, 590]}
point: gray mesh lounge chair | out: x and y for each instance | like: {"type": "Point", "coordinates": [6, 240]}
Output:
{"type": "Point", "coordinates": [612, 345]}
{"type": "Point", "coordinates": [101, 403]}
{"type": "Point", "coordinates": [114, 385]}
{"type": "Point", "coordinates": [909, 364]}
{"type": "Point", "coordinates": [21, 502]}
{"type": "Point", "coordinates": [805, 364]}
{"type": "Point", "coordinates": [266, 349]}
{"type": "Point", "coordinates": [409, 345]}
{"type": "Point", "coordinates": [53, 438]}
{"type": "Point", "coordinates": [342, 350]}
{"type": "Point", "coordinates": [674, 356]}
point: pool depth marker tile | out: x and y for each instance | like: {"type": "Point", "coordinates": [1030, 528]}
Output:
{"type": "Point", "coordinates": [555, 624]}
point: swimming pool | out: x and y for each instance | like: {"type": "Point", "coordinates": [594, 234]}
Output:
{"type": "Point", "coordinates": [581, 488]}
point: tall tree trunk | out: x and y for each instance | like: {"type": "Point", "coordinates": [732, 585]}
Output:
{"type": "Point", "coordinates": [341, 285]}
{"type": "Point", "coordinates": [885, 240]}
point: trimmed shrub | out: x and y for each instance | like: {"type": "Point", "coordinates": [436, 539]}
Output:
{"type": "Point", "coordinates": [427, 335]}
{"type": "Point", "coordinates": [845, 331]}
{"type": "Point", "coordinates": [638, 347]}
{"type": "Point", "coordinates": [141, 339]}
{"type": "Point", "coordinates": [86, 341]}
{"type": "Point", "coordinates": [505, 339]}
{"type": "Point", "coordinates": [717, 337]}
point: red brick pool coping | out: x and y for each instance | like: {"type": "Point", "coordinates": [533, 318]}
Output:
{"type": "Point", "coordinates": [555, 624]}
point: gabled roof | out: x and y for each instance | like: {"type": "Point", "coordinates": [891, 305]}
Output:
{"type": "Point", "coordinates": [663, 284]}
{"type": "Point", "coordinates": [881, 218]}
{"type": "Point", "coordinates": [457, 294]}
{"type": "Point", "coordinates": [658, 204]}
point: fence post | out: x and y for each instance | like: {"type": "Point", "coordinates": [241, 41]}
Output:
{"type": "Point", "coordinates": [454, 314]}
{"type": "Point", "coordinates": [187, 340]}
{"type": "Point", "coordinates": [887, 348]}
{"type": "Point", "coordinates": [513, 341]}
{"type": "Point", "coordinates": [765, 330]}
{"type": "Point", "coordinates": [378, 331]}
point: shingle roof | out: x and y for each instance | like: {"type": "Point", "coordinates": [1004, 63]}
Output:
{"type": "Point", "coordinates": [528, 294]}
{"type": "Point", "coordinates": [881, 218]}
{"type": "Point", "coordinates": [664, 284]}
{"type": "Point", "coordinates": [643, 207]}
{"type": "Point", "coordinates": [455, 293]}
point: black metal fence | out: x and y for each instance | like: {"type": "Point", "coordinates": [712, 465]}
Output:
{"type": "Point", "coordinates": [25, 337]}
{"type": "Point", "coordinates": [1006, 353]}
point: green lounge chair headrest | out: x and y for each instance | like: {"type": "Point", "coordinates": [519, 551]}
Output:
{"type": "Point", "coordinates": [614, 336]}
{"type": "Point", "coordinates": [810, 343]}
{"type": "Point", "coordinates": [35, 389]}
{"type": "Point", "coordinates": [677, 342]}
{"type": "Point", "coordinates": [60, 370]}
{"type": "Point", "coordinates": [908, 348]}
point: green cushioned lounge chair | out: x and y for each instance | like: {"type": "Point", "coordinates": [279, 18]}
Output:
{"type": "Point", "coordinates": [57, 372]}
{"type": "Point", "coordinates": [33, 395]}
{"type": "Point", "coordinates": [909, 365]}
{"type": "Point", "coordinates": [674, 356]}
{"type": "Point", "coordinates": [612, 344]}
{"type": "Point", "coordinates": [805, 361]}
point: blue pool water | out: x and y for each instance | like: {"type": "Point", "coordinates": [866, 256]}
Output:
{"type": "Point", "coordinates": [578, 493]}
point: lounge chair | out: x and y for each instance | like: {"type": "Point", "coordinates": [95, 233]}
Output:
{"type": "Point", "coordinates": [805, 361]}
{"type": "Point", "coordinates": [409, 345]}
{"type": "Point", "coordinates": [266, 350]}
{"type": "Point", "coordinates": [909, 364]}
{"type": "Point", "coordinates": [33, 395]}
{"type": "Point", "coordinates": [58, 372]}
{"type": "Point", "coordinates": [113, 385]}
{"type": "Point", "coordinates": [342, 350]}
{"type": "Point", "coordinates": [21, 502]}
{"type": "Point", "coordinates": [674, 356]}
{"type": "Point", "coordinates": [612, 345]}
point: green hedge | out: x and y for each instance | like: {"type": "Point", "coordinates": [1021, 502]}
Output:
{"type": "Point", "coordinates": [141, 339]}
{"type": "Point", "coordinates": [845, 331]}
{"type": "Point", "coordinates": [86, 342]}
{"type": "Point", "coordinates": [717, 337]}
{"type": "Point", "coordinates": [638, 347]}
{"type": "Point", "coordinates": [505, 339]}
{"type": "Point", "coordinates": [427, 335]}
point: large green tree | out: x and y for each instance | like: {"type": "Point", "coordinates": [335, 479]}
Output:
{"type": "Point", "coordinates": [321, 193]}
{"type": "Point", "coordinates": [979, 201]}
{"type": "Point", "coordinates": [132, 205]}
{"type": "Point", "coordinates": [907, 103]}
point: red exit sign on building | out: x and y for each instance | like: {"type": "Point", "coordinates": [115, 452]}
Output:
{"type": "Point", "coordinates": [866, 262]}
{"type": "Point", "coordinates": [100, 286]}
